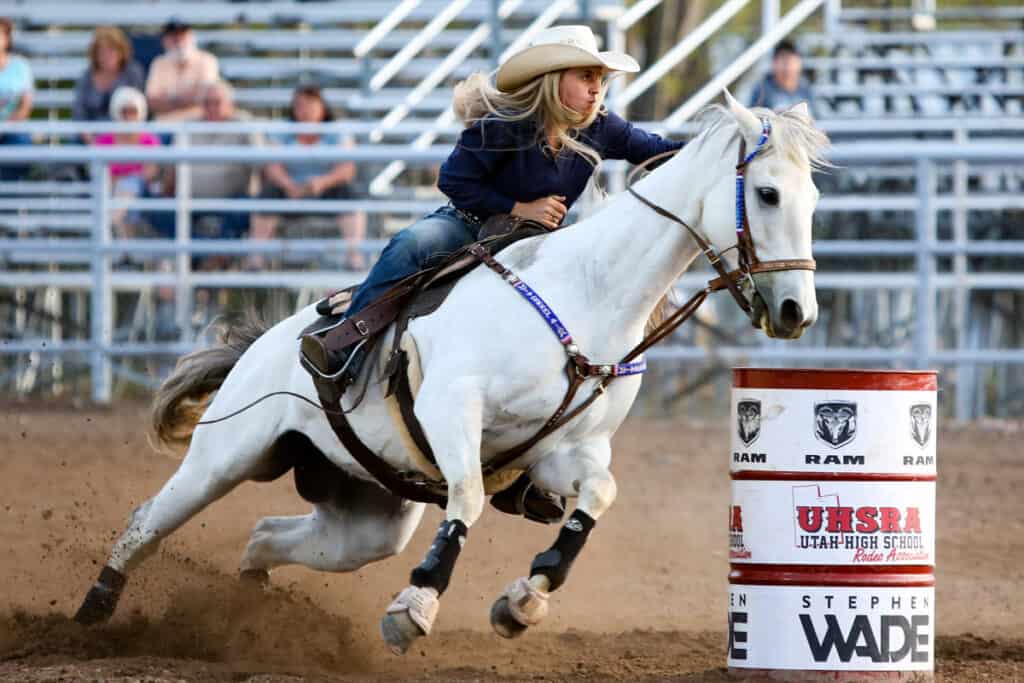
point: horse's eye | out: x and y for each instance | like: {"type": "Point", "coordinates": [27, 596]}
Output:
{"type": "Point", "coordinates": [768, 196]}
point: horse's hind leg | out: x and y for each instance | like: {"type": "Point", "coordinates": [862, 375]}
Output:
{"type": "Point", "coordinates": [209, 471]}
{"type": "Point", "coordinates": [361, 523]}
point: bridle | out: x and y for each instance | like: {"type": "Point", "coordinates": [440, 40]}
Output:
{"type": "Point", "coordinates": [739, 281]}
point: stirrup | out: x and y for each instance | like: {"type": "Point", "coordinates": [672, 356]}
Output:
{"type": "Point", "coordinates": [313, 367]}
{"type": "Point", "coordinates": [526, 499]}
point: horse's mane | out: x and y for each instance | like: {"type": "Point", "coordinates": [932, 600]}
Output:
{"type": "Point", "coordinates": [792, 134]}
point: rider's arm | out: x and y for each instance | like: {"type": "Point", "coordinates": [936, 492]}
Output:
{"type": "Point", "coordinates": [623, 140]}
{"type": "Point", "coordinates": [467, 175]}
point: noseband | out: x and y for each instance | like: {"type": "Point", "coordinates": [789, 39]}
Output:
{"type": "Point", "coordinates": [740, 279]}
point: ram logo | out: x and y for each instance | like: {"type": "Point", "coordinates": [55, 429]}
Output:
{"type": "Point", "coordinates": [748, 420]}
{"type": "Point", "coordinates": [835, 422]}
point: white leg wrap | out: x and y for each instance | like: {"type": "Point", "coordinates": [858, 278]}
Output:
{"type": "Point", "coordinates": [420, 603]}
{"type": "Point", "coordinates": [528, 604]}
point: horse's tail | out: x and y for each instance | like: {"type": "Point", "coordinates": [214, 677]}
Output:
{"type": "Point", "coordinates": [184, 395]}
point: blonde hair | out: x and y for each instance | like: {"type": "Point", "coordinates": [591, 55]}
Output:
{"type": "Point", "coordinates": [113, 37]}
{"type": "Point", "coordinates": [477, 99]}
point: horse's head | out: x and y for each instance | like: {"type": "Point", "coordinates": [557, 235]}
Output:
{"type": "Point", "coordinates": [778, 198]}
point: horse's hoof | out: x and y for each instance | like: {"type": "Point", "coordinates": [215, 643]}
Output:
{"type": "Point", "coordinates": [257, 579]}
{"type": "Point", "coordinates": [399, 631]}
{"type": "Point", "coordinates": [101, 600]}
{"type": "Point", "coordinates": [505, 625]}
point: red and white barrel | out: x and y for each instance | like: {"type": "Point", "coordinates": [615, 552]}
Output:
{"type": "Point", "coordinates": [832, 523]}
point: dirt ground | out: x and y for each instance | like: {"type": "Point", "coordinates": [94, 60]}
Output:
{"type": "Point", "coordinates": [646, 600]}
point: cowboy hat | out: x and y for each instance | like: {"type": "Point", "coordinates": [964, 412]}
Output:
{"type": "Point", "coordinates": [557, 48]}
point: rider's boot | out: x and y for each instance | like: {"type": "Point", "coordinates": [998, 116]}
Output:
{"type": "Point", "coordinates": [340, 365]}
{"type": "Point", "coordinates": [525, 498]}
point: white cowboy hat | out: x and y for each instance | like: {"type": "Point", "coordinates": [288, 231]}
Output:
{"type": "Point", "coordinates": [557, 48]}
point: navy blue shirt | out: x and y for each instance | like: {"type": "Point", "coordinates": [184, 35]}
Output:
{"type": "Point", "coordinates": [498, 163]}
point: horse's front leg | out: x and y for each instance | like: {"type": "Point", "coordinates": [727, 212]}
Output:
{"type": "Point", "coordinates": [583, 472]}
{"type": "Point", "coordinates": [450, 413]}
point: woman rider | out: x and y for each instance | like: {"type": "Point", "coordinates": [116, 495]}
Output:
{"type": "Point", "coordinates": [530, 147]}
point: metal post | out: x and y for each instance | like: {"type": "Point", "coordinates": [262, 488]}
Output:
{"type": "Point", "coordinates": [183, 236]}
{"type": "Point", "coordinates": [497, 45]}
{"type": "Point", "coordinates": [924, 333]}
{"type": "Point", "coordinates": [584, 6]}
{"type": "Point", "coordinates": [102, 297]}
{"type": "Point", "coordinates": [366, 75]}
{"type": "Point", "coordinates": [617, 42]}
{"type": "Point", "coordinates": [833, 10]}
{"type": "Point", "coordinates": [769, 15]}
{"type": "Point", "coordinates": [966, 373]}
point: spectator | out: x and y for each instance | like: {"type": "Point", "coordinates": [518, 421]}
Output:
{"type": "Point", "coordinates": [16, 88]}
{"type": "Point", "coordinates": [110, 68]}
{"type": "Point", "coordinates": [176, 77]}
{"type": "Point", "coordinates": [312, 179]}
{"type": "Point", "coordinates": [129, 179]}
{"type": "Point", "coordinates": [785, 86]}
{"type": "Point", "coordinates": [227, 180]}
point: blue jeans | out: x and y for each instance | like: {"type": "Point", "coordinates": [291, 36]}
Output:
{"type": "Point", "coordinates": [19, 170]}
{"type": "Point", "coordinates": [424, 243]}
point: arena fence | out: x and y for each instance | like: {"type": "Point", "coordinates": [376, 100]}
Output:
{"type": "Point", "coordinates": [960, 169]}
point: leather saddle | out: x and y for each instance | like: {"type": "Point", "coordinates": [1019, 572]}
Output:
{"type": "Point", "coordinates": [418, 294]}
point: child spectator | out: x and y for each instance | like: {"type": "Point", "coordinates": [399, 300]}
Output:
{"type": "Point", "coordinates": [129, 179]}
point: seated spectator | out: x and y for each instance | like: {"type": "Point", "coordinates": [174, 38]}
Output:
{"type": "Point", "coordinates": [110, 68]}
{"type": "Point", "coordinates": [176, 77]}
{"type": "Point", "coordinates": [226, 180]}
{"type": "Point", "coordinates": [16, 88]}
{"type": "Point", "coordinates": [129, 179]}
{"type": "Point", "coordinates": [312, 179]}
{"type": "Point", "coordinates": [785, 86]}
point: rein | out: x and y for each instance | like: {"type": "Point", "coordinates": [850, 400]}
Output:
{"type": "Point", "coordinates": [579, 368]}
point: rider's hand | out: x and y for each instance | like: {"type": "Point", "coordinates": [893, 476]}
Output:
{"type": "Point", "coordinates": [548, 211]}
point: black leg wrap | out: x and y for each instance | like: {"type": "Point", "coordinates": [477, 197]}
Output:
{"type": "Point", "coordinates": [555, 562]}
{"type": "Point", "coordinates": [100, 602]}
{"type": "Point", "coordinates": [436, 569]}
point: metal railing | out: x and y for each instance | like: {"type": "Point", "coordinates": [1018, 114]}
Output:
{"type": "Point", "coordinates": [924, 161]}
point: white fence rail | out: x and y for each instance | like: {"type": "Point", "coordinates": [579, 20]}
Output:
{"type": "Point", "coordinates": [920, 160]}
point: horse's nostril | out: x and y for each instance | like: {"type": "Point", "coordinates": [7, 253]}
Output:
{"type": "Point", "coordinates": [791, 315]}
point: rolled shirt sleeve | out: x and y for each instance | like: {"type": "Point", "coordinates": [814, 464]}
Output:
{"type": "Point", "coordinates": [466, 176]}
{"type": "Point", "coordinates": [623, 140]}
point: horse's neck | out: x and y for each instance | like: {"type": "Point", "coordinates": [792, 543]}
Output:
{"type": "Point", "coordinates": [625, 257]}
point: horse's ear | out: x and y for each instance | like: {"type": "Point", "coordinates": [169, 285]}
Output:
{"type": "Point", "coordinates": [802, 110]}
{"type": "Point", "coordinates": [748, 122]}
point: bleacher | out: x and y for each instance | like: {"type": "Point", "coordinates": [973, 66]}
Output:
{"type": "Point", "coordinates": [264, 48]}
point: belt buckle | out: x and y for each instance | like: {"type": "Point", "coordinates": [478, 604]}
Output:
{"type": "Point", "coordinates": [362, 327]}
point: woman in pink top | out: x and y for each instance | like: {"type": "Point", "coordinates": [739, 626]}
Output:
{"type": "Point", "coordinates": [129, 179]}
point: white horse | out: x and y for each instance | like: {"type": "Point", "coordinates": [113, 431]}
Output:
{"type": "Point", "coordinates": [487, 372]}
